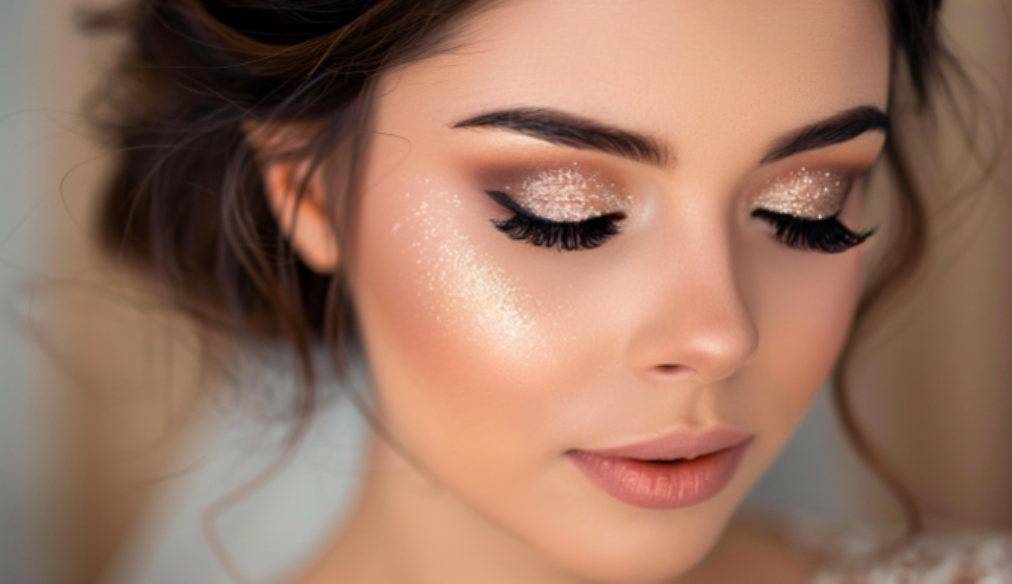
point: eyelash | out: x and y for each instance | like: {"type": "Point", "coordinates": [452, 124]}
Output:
{"type": "Point", "coordinates": [827, 235]}
{"type": "Point", "coordinates": [563, 235]}
{"type": "Point", "coordinates": [824, 235]}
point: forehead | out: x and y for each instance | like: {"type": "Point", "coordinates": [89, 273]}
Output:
{"type": "Point", "coordinates": [682, 68]}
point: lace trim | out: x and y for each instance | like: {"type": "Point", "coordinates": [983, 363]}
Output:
{"type": "Point", "coordinates": [871, 557]}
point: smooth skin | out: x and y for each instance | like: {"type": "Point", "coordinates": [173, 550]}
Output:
{"type": "Point", "coordinates": [492, 358]}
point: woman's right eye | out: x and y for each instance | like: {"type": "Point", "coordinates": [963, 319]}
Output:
{"type": "Point", "coordinates": [563, 235]}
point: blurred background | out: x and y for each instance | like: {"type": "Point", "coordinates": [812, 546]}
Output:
{"type": "Point", "coordinates": [118, 444]}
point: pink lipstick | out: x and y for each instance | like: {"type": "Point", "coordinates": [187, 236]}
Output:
{"type": "Point", "coordinates": [674, 471]}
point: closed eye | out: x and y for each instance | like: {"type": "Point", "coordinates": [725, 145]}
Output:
{"type": "Point", "coordinates": [563, 235]}
{"type": "Point", "coordinates": [827, 235]}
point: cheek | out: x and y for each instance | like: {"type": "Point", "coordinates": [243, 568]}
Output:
{"type": "Point", "coordinates": [807, 303]}
{"type": "Point", "coordinates": [812, 319]}
{"type": "Point", "coordinates": [459, 346]}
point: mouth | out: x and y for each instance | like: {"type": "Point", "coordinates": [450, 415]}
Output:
{"type": "Point", "coordinates": [676, 471]}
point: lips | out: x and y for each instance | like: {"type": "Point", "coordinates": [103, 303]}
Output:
{"type": "Point", "coordinates": [674, 471]}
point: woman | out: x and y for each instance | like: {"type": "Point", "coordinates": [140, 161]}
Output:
{"type": "Point", "coordinates": [597, 256]}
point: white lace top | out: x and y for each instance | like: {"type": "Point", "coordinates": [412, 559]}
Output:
{"type": "Point", "coordinates": [875, 556]}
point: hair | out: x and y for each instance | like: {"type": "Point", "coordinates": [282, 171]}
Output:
{"type": "Point", "coordinates": [185, 204]}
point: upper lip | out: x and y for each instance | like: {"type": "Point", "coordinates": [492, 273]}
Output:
{"type": "Point", "coordinates": [677, 445]}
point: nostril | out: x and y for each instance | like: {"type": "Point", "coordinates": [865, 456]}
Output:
{"type": "Point", "coordinates": [667, 372]}
{"type": "Point", "coordinates": [670, 369]}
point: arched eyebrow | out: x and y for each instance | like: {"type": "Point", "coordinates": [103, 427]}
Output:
{"type": "Point", "coordinates": [573, 131]}
{"type": "Point", "coordinates": [842, 127]}
{"type": "Point", "coordinates": [566, 129]}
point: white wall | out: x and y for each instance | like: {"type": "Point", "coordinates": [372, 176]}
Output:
{"type": "Point", "coordinates": [21, 533]}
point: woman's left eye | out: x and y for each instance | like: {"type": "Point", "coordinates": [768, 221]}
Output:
{"type": "Point", "coordinates": [825, 235]}
{"type": "Point", "coordinates": [562, 235]}
{"type": "Point", "coordinates": [803, 206]}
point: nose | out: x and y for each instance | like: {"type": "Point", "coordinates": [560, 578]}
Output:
{"type": "Point", "coordinates": [693, 321]}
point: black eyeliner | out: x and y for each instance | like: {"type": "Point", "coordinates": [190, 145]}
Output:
{"type": "Point", "coordinates": [562, 235]}
{"type": "Point", "coordinates": [511, 205]}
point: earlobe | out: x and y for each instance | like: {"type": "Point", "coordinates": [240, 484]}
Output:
{"type": "Point", "coordinates": [299, 205]}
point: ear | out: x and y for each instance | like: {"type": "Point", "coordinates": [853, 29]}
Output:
{"type": "Point", "coordinates": [299, 204]}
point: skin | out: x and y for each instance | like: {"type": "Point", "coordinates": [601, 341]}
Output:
{"type": "Point", "coordinates": [491, 358]}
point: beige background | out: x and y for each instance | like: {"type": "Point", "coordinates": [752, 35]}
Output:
{"type": "Point", "coordinates": [121, 378]}
{"type": "Point", "coordinates": [935, 383]}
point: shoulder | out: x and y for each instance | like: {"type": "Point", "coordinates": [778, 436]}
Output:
{"type": "Point", "coordinates": [876, 554]}
{"type": "Point", "coordinates": [955, 557]}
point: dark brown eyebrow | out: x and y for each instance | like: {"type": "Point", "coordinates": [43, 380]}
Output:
{"type": "Point", "coordinates": [573, 131]}
{"type": "Point", "coordinates": [570, 130]}
{"type": "Point", "coordinates": [842, 127]}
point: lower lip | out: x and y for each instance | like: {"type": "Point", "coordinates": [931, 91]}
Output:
{"type": "Point", "coordinates": [661, 485]}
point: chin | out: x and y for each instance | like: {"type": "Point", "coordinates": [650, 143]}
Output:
{"type": "Point", "coordinates": [634, 546]}
{"type": "Point", "coordinates": [637, 558]}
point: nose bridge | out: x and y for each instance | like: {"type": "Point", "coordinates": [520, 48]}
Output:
{"type": "Point", "coordinates": [696, 319]}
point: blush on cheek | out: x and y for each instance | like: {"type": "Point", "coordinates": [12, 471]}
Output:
{"type": "Point", "coordinates": [461, 341]}
{"type": "Point", "coordinates": [468, 296]}
{"type": "Point", "coordinates": [434, 294]}
{"type": "Point", "coordinates": [816, 323]}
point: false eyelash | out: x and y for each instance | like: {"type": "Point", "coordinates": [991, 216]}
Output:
{"type": "Point", "coordinates": [825, 235]}
{"type": "Point", "coordinates": [567, 236]}
{"type": "Point", "coordinates": [563, 235]}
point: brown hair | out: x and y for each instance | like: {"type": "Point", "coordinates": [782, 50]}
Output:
{"type": "Point", "coordinates": [186, 206]}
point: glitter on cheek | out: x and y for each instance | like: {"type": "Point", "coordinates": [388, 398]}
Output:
{"type": "Point", "coordinates": [569, 194]}
{"type": "Point", "coordinates": [809, 194]}
{"type": "Point", "coordinates": [462, 286]}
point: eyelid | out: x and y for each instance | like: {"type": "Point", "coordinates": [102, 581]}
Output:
{"type": "Point", "coordinates": [806, 193]}
{"type": "Point", "coordinates": [564, 193]}
{"type": "Point", "coordinates": [507, 202]}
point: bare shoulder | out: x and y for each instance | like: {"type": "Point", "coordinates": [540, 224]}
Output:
{"type": "Point", "coordinates": [797, 551]}
{"type": "Point", "coordinates": [937, 557]}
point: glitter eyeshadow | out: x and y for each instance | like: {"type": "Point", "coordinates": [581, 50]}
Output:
{"type": "Point", "coordinates": [568, 194]}
{"type": "Point", "coordinates": [810, 194]}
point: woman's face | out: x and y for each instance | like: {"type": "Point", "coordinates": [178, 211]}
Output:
{"type": "Point", "coordinates": [567, 264]}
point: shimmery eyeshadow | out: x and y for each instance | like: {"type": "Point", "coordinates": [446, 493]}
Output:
{"type": "Point", "coordinates": [568, 194]}
{"type": "Point", "coordinates": [811, 194]}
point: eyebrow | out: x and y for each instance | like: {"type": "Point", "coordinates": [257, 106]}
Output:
{"type": "Point", "coordinates": [566, 129]}
{"type": "Point", "coordinates": [842, 127]}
